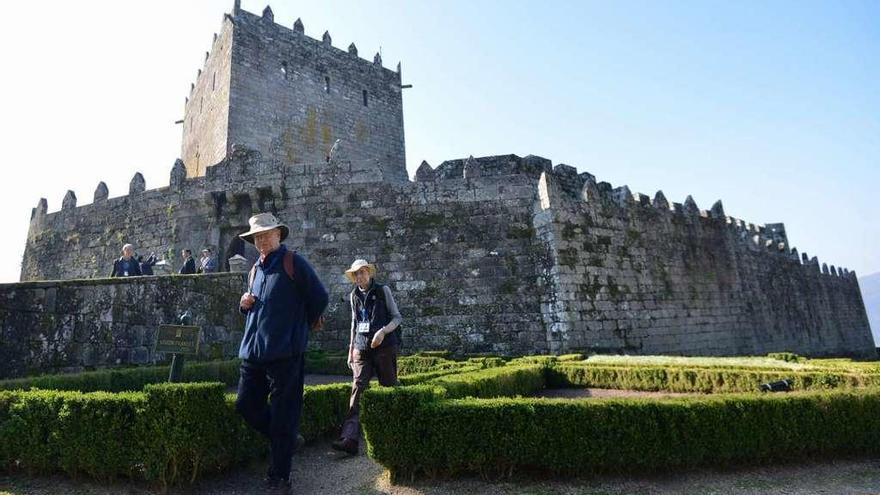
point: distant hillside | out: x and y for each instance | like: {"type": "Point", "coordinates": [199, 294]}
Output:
{"type": "Point", "coordinates": [870, 285]}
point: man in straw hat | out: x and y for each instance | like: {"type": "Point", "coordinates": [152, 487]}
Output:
{"type": "Point", "coordinates": [284, 300]}
{"type": "Point", "coordinates": [373, 347]}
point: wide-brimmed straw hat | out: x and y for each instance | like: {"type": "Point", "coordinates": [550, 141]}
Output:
{"type": "Point", "coordinates": [262, 223]}
{"type": "Point", "coordinates": [357, 265]}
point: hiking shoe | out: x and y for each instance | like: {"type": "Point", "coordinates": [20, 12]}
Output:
{"type": "Point", "coordinates": [277, 486]}
{"type": "Point", "coordinates": [346, 445]}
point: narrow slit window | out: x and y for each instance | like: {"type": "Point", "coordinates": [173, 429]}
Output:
{"type": "Point", "coordinates": [327, 84]}
{"type": "Point", "coordinates": [284, 69]}
{"type": "Point", "coordinates": [214, 82]}
{"type": "Point", "coordinates": [366, 96]}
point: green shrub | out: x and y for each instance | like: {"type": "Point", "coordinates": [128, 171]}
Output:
{"type": "Point", "coordinates": [324, 408]}
{"type": "Point", "coordinates": [501, 436]}
{"type": "Point", "coordinates": [493, 382]}
{"type": "Point", "coordinates": [392, 415]}
{"type": "Point", "coordinates": [95, 434]}
{"type": "Point", "coordinates": [788, 357]}
{"type": "Point", "coordinates": [409, 365]}
{"type": "Point", "coordinates": [27, 432]}
{"type": "Point", "coordinates": [487, 362]}
{"type": "Point", "coordinates": [570, 357]}
{"type": "Point", "coordinates": [697, 380]}
{"type": "Point", "coordinates": [326, 363]}
{"type": "Point", "coordinates": [438, 354]}
{"type": "Point", "coordinates": [181, 432]}
{"type": "Point", "coordinates": [134, 379]}
{"type": "Point", "coordinates": [419, 378]}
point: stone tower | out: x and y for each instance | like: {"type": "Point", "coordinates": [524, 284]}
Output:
{"type": "Point", "coordinates": [291, 97]}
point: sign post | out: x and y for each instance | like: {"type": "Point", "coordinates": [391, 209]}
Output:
{"type": "Point", "coordinates": [180, 340]}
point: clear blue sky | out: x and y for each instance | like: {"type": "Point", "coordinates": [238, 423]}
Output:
{"type": "Point", "coordinates": [773, 107]}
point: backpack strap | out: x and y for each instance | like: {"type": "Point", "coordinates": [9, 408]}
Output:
{"type": "Point", "coordinates": [288, 263]}
{"type": "Point", "coordinates": [288, 268]}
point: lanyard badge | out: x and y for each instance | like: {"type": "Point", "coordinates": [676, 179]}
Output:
{"type": "Point", "coordinates": [363, 325]}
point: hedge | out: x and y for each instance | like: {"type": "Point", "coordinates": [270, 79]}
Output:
{"type": "Point", "coordinates": [134, 379]}
{"type": "Point", "coordinates": [405, 406]}
{"type": "Point", "coordinates": [450, 424]}
{"type": "Point", "coordinates": [433, 435]}
{"type": "Point", "coordinates": [698, 380]}
{"type": "Point", "coordinates": [408, 365]}
{"type": "Point", "coordinates": [493, 382]}
{"type": "Point", "coordinates": [169, 433]}
{"type": "Point", "coordinates": [226, 372]}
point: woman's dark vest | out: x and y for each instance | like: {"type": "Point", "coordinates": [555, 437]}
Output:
{"type": "Point", "coordinates": [377, 312]}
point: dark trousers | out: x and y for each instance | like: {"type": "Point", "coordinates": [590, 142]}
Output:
{"type": "Point", "coordinates": [282, 382]}
{"type": "Point", "coordinates": [381, 362]}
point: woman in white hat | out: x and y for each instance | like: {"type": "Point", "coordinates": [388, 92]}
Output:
{"type": "Point", "coordinates": [374, 344]}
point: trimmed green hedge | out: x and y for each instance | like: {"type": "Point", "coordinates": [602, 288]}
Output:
{"type": "Point", "coordinates": [493, 382]}
{"type": "Point", "coordinates": [699, 380]}
{"type": "Point", "coordinates": [504, 436]}
{"type": "Point", "coordinates": [406, 406]}
{"type": "Point", "coordinates": [408, 365]}
{"type": "Point", "coordinates": [450, 424]}
{"type": "Point", "coordinates": [788, 357]}
{"type": "Point", "coordinates": [134, 379]}
{"type": "Point", "coordinates": [169, 433]}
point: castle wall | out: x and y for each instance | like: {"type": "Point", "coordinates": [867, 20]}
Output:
{"type": "Point", "coordinates": [459, 254]}
{"type": "Point", "coordinates": [635, 276]}
{"type": "Point", "coordinates": [206, 113]}
{"type": "Point", "coordinates": [77, 324]}
{"type": "Point", "coordinates": [497, 254]}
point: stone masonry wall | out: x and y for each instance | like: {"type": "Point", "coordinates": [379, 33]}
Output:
{"type": "Point", "coordinates": [634, 275]}
{"type": "Point", "coordinates": [497, 254]}
{"type": "Point", "coordinates": [292, 97]}
{"type": "Point", "coordinates": [206, 112]}
{"type": "Point", "coordinates": [459, 253]}
{"type": "Point", "coordinates": [73, 325]}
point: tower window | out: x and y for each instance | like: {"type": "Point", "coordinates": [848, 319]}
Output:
{"type": "Point", "coordinates": [327, 84]}
{"type": "Point", "coordinates": [214, 82]}
{"type": "Point", "coordinates": [365, 97]}
{"type": "Point", "coordinates": [284, 69]}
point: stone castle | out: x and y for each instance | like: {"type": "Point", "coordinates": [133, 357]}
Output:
{"type": "Point", "coordinates": [501, 254]}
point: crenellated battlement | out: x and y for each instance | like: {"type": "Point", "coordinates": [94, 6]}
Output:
{"type": "Point", "coordinates": [770, 238]}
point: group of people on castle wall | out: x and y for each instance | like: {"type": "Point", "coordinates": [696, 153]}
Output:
{"type": "Point", "coordinates": [132, 265]}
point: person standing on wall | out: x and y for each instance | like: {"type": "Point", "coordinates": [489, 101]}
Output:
{"type": "Point", "coordinates": [147, 266]}
{"type": "Point", "coordinates": [373, 345]}
{"type": "Point", "coordinates": [126, 266]}
{"type": "Point", "coordinates": [207, 264]}
{"type": "Point", "coordinates": [189, 264]}
{"type": "Point", "coordinates": [285, 299]}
